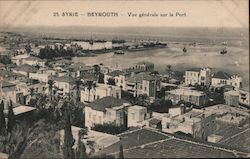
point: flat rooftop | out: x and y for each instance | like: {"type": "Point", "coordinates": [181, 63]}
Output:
{"type": "Point", "coordinates": [137, 107]}
{"type": "Point", "coordinates": [186, 92]}
{"type": "Point", "coordinates": [20, 109]}
{"type": "Point", "coordinates": [232, 92]}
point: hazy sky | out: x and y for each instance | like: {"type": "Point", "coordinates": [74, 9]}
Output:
{"type": "Point", "coordinates": [199, 13]}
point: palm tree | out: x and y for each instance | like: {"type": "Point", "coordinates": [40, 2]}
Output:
{"type": "Point", "coordinates": [143, 100]}
{"type": "Point", "coordinates": [11, 118]}
{"type": "Point", "coordinates": [23, 138]}
{"type": "Point", "coordinates": [32, 91]}
{"type": "Point", "coordinates": [96, 70]}
{"type": "Point", "coordinates": [111, 81]}
{"type": "Point", "coordinates": [81, 149]}
{"type": "Point", "coordinates": [51, 83]}
{"type": "Point", "coordinates": [2, 119]}
{"type": "Point", "coordinates": [69, 141]}
{"type": "Point", "coordinates": [89, 85]}
{"type": "Point", "coordinates": [77, 87]}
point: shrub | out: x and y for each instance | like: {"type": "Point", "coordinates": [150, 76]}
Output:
{"type": "Point", "coordinates": [109, 128]}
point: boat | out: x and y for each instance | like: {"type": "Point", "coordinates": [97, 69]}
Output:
{"type": "Point", "coordinates": [119, 52]}
{"type": "Point", "coordinates": [184, 50]}
{"type": "Point", "coordinates": [224, 51]}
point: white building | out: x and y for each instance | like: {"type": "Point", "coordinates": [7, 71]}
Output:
{"type": "Point", "coordinates": [232, 98]}
{"type": "Point", "coordinates": [143, 83]}
{"type": "Point", "coordinates": [105, 110]}
{"type": "Point", "coordinates": [195, 122]}
{"type": "Point", "coordinates": [145, 66]}
{"type": "Point", "coordinates": [8, 91]}
{"type": "Point", "coordinates": [118, 76]}
{"type": "Point", "coordinates": [18, 59]}
{"type": "Point", "coordinates": [33, 61]}
{"type": "Point", "coordinates": [220, 79]}
{"type": "Point", "coordinates": [25, 70]}
{"type": "Point", "coordinates": [244, 97]}
{"type": "Point", "coordinates": [65, 84]}
{"type": "Point", "coordinates": [87, 45]}
{"type": "Point", "coordinates": [195, 97]}
{"type": "Point", "coordinates": [100, 91]}
{"type": "Point", "coordinates": [100, 140]}
{"type": "Point", "coordinates": [136, 115]}
{"type": "Point", "coordinates": [41, 76]}
{"type": "Point", "coordinates": [198, 76]}
{"type": "Point", "coordinates": [176, 110]}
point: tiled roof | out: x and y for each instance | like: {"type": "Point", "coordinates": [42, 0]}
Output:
{"type": "Point", "coordinates": [89, 76]}
{"type": "Point", "coordinates": [80, 66]}
{"type": "Point", "coordinates": [7, 84]}
{"type": "Point", "coordinates": [34, 59]}
{"type": "Point", "coordinates": [26, 68]}
{"type": "Point", "coordinates": [115, 73]}
{"type": "Point", "coordinates": [106, 102]}
{"type": "Point", "coordinates": [67, 79]}
{"type": "Point", "coordinates": [194, 69]}
{"type": "Point", "coordinates": [6, 73]}
{"type": "Point", "coordinates": [138, 78]}
{"type": "Point", "coordinates": [222, 75]}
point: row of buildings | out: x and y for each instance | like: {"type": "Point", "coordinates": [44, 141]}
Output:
{"type": "Point", "coordinates": [104, 103]}
{"type": "Point", "coordinates": [137, 80]}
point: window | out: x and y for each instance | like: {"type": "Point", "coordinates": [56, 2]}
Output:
{"type": "Point", "coordinates": [66, 86]}
{"type": "Point", "coordinates": [117, 95]}
{"type": "Point", "coordinates": [167, 125]}
{"type": "Point", "coordinates": [100, 119]}
{"type": "Point", "coordinates": [94, 117]}
{"type": "Point", "coordinates": [141, 113]}
{"type": "Point", "coordinates": [145, 88]}
{"type": "Point", "coordinates": [89, 115]}
{"type": "Point", "coordinates": [133, 116]}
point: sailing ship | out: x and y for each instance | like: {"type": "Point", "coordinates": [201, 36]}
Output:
{"type": "Point", "coordinates": [184, 49]}
{"type": "Point", "coordinates": [224, 51]}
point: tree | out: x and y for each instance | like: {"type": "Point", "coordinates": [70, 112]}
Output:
{"type": "Point", "coordinates": [81, 149]}
{"type": "Point", "coordinates": [142, 100]}
{"type": "Point", "coordinates": [111, 81]}
{"type": "Point", "coordinates": [2, 119]}
{"type": "Point", "coordinates": [96, 69]}
{"type": "Point", "coordinates": [31, 91]}
{"type": "Point", "coordinates": [169, 70]}
{"type": "Point", "coordinates": [77, 86]}
{"type": "Point", "coordinates": [11, 117]}
{"type": "Point", "coordinates": [69, 141]}
{"type": "Point", "coordinates": [31, 142]}
{"type": "Point", "coordinates": [89, 84]}
{"type": "Point", "coordinates": [121, 156]}
{"type": "Point", "coordinates": [101, 78]}
{"type": "Point", "coordinates": [51, 83]}
{"type": "Point", "coordinates": [5, 59]}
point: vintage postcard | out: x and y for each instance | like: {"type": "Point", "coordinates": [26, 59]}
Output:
{"type": "Point", "coordinates": [124, 79]}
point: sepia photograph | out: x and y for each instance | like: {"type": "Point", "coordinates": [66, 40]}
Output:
{"type": "Point", "coordinates": [87, 79]}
